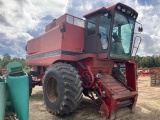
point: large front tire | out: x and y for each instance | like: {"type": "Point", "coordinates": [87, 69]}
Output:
{"type": "Point", "coordinates": [62, 89]}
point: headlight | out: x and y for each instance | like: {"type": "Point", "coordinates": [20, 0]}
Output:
{"type": "Point", "coordinates": [134, 16]}
{"type": "Point", "coordinates": [131, 14]}
{"type": "Point", "coordinates": [119, 7]}
{"type": "Point", "coordinates": [123, 9]}
{"type": "Point", "coordinates": [128, 11]}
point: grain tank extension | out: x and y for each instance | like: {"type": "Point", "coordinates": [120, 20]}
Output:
{"type": "Point", "coordinates": [76, 56]}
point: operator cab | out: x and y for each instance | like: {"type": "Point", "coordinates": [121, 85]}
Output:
{"type": "Point", "coordinates": [109, 31]}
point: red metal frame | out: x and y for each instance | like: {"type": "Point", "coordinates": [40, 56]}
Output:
{"type": "Point", "coordinates": [110, 91]}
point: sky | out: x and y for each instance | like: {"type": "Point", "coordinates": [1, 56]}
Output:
{"type": "Point", "coordinates": [22, 20]}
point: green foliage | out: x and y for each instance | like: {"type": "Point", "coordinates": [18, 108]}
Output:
{"type": "Point", "coordinates": [148, 61]}
{"type": "Point", "coordinates": [6, 58]}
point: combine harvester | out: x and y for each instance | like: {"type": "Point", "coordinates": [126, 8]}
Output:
{"type": "Point", "coordinates": [76, 56]}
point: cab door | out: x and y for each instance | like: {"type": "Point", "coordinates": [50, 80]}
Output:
{"type": "Point", "coordinates": [97, 34]}
{"type": "Point", "coordinates": [92, 38]}
{"type": "Point", "coordinates": [104, 33]}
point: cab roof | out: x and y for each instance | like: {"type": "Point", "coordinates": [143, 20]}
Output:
{"type": "Point", "coordinates": [104, 9]}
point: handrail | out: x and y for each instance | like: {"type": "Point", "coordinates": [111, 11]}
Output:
{"type": "Point", "coordinates": [140, 39]}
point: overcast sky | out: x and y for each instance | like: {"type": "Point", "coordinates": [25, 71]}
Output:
{"type": "Point", "coordinates": [21, 20]}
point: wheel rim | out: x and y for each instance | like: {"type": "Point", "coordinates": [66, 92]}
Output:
{"type": "Point", "coordinates": [52, 89]}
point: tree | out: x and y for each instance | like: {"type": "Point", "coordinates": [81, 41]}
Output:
{"type": "Point", "coordinates": [148, 61]}
{"type": "Point", "coordinates": [6, 58]}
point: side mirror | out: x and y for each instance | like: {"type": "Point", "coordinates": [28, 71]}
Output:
{"type": "Point", "coordinates": [140, 29]}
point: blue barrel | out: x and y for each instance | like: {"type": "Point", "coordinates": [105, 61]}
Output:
{"type": "Point", "coordinates": [18, 87]}
{"type": "Point", "coordinates": [2, 98]}
{"type": "Point", "coordinates": [19, 93]}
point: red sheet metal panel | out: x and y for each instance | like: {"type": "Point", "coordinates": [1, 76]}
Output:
{"type": "Point", "coordinates": [55, 43]}
{"type": "Point", "coordinates": [55, 22]}
{"type": "Point", "coordinates": [73, 39]}
{"type": "Point", "coordinates": [47, 61]}
{"type": "Point", "coordinates": [131, 75]}
{"type": "Point", "coordinates": [32, 46]}
{"type": "Point", "coordinates": [47, 42]}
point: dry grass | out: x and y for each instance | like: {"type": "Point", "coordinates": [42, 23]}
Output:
{"type": "Point", "coordinates": [148, 106]}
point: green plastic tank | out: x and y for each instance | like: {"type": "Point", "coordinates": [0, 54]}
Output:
{"type": "Point", "coordinates": [18, 87]}
{"type": "Point", "coordinates": [2, 98]}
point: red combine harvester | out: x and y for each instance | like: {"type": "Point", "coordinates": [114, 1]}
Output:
{"type": "Point", "coordinates": [76, 56]}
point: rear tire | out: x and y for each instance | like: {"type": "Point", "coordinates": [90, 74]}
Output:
{"type": "Point", "coordinates": [62, 89]}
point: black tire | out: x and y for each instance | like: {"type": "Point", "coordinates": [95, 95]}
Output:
{"type": "Point", "coordinates": [62, 89]}
{"type": "Point", "coordinates": [30, 84]}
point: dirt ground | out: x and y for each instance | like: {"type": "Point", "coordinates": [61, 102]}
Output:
{"type": "Point", "coordinates": [148, 106]}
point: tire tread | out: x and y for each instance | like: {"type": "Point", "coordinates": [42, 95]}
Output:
{"type": "Point", "coordinates": [72, 88]}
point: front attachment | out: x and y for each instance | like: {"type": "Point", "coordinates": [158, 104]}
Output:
{"type": "Point", "coordinates": [114, 97]}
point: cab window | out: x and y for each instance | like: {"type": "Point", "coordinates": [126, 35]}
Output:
{"type": "Point", "coordinates": [91, 26]}
{"type": "Point", "coordinates": [104, 30]}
